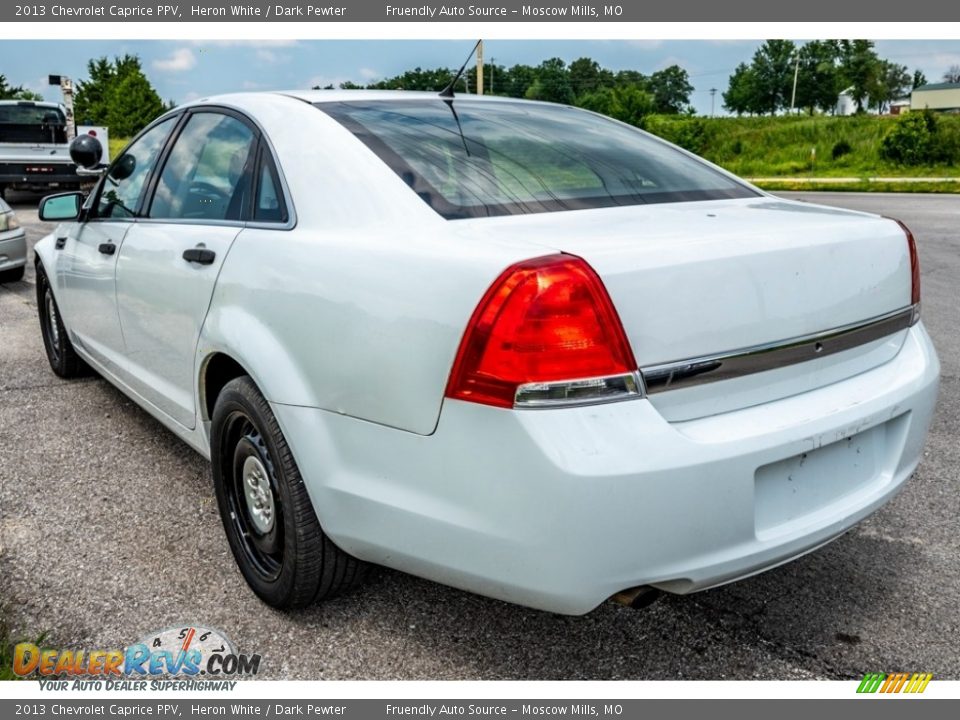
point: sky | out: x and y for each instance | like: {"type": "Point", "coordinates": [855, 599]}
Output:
{"type": "Point", "coordinates": [185, 70]}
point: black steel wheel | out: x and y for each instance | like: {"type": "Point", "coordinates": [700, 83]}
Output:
{"type": "Point", "coordinates": [63, 359]}
{"type": "Point", "coordinates": [273, 532]}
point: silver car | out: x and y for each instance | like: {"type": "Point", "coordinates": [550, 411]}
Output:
{"type": "Point", "coordinates": [13, 245]}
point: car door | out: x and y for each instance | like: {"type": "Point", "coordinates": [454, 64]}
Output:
{"type": "Point", "coordinates": [168, 264]}
{"type": "Point", "coordinates": [86, 269]}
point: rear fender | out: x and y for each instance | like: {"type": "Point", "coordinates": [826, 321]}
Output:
{"type": "Point", "coordinates": [226, 330]}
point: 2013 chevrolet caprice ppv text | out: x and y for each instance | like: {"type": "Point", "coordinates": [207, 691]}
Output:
{"type": "Point", "coordinates": [514, 347]}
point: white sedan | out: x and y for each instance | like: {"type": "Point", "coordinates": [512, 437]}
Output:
{"type": "Point", "coordinates": [514, 347]}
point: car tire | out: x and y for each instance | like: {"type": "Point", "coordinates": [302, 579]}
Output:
{"type": "Point", "coordinates": [64, 360]}
{"type": "Point", "coordinates": [274, 534]}
{"type": "Point", "coordinates": [9, 276]}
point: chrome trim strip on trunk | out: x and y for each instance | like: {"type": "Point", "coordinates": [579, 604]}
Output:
{"type": "Point", "coordinates": [745, 361]}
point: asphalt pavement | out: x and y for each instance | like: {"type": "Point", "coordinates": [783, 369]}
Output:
{"type": "Point", "coordinates": [109, 530]}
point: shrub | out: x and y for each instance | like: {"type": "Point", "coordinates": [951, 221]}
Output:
{"type": "Point", "coordinates": [948, 141]}
{"type": "Point", "coordinates": [840, 149]}
{"type": "Point", "coordinates": [913, 140]}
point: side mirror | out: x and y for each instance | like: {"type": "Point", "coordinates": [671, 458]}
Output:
{"type": "Point", "coordinates": [124, 167]}
{"type": "Point", "coordinates": [86, 151]}
{"type": "Point", "coordinates": [61, 207]}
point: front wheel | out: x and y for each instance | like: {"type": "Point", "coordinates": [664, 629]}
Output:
{"type": "Point", "coordinates": [273, 532]}
{"type": "Point", "coordinates": [63, 359]}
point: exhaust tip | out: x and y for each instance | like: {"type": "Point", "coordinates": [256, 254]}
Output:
{"type": "Point", "coordinates": [637, 597]}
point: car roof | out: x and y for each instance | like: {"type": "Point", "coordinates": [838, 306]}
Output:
{"type": "Point", "coordinates": [240, 100]}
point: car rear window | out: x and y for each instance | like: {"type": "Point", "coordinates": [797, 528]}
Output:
{"type": "Point", "coordinates": [25, 122]}
{"type": "Point", "coordinates": [468, 158]}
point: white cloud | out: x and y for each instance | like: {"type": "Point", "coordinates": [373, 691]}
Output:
{"type": "Point", "coordinates": [369, 74]}
{"type": "Point", "coordinates": [644, 44]}
{"type": "Point", "coordinates": [946, 60]}
{"type": "Point", "coordinates": [269, 56]}
{"type": "Point", "coordinates": [180, 60]}
{"type": "Point", "coordinates": [246, 43]}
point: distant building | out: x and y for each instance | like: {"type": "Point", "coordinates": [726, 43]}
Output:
{"type": "Point", "coordinates": [846, 105]}
{"type": "Point", "coordinates": [937, 96]}
{"type": "Point", "coordinates": [899, 107]}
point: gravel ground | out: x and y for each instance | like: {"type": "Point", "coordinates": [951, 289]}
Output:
{"type": "Point", "coordinates": [110, 530]}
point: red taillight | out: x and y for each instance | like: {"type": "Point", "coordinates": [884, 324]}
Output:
{"type": "Point", "coordinates": [544, 321]}
{"type": "Point", "coordinates": [914, 264]}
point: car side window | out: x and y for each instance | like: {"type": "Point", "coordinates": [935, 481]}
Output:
{"type": "Point", "coordinates": [269, 206]}
{"type": "Point", "coordinates": [208, 173]}
{"type": "Point", "coordinates": [123, 183]}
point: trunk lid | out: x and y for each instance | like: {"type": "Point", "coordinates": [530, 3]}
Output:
{"type": "Point", "coordinates": [701, 278]}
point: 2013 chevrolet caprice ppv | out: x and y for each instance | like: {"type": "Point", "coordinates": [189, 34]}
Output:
{"type": "Point", "coordinates": [514, 347]}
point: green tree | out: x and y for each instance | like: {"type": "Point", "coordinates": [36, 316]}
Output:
{"type": "Point", "coordinates": [952, 75]}
{"type": "Point", "coordinates": [740, 95]}
{"type": "Point", "coordinates": [133, 104]}
{"type": "Point", "coordinates": [117, 94]}
{"type": "Point", "coordinates": [631, 77]}
{"type": "Point", "coordinates": [552, 83]}
{"type": "Point", "coordinates": [919, 79]}
{"type": "Point", "coordinates": [818, 77]}
{"type": "Point", "coordinates": [419, 79]}
{"type": "Point", "coordinates": [518, 80]}
{"type": "Point", "coordinates": [892, 83]}
{"type": "Point", "coordinates": [16, 92]}
{"type": "Point", "coordinates": [772, 69]}
{"type": "Point", "coordinates": [860, 69]}
{"type": "Point", "coordinates": [671, 90]}
{"type": "Point", "coordinates": [586, 76]}
{"type": "Point", "coordinates": [494, 77]}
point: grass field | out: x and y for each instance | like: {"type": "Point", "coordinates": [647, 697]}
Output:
{"type": "Point", "coordinates": [116, 146]}
{"type": "Point", "coordinates": [801, 146]}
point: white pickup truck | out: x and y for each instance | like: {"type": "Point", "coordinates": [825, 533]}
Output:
{"type": "Point", "coordinates": [34, 152]}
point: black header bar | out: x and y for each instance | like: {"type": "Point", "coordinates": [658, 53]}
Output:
{"type": "Point", "coordinates": [496, 11]}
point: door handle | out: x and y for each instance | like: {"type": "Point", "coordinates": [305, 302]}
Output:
{"type": "Point", "coordinates": [107, 248]}
{"type": "Point", "coordinates": [61, 242]}
{"type": "Point", "coordinates": [201, 256]}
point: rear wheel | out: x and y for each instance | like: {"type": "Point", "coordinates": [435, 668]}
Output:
{"type": "Point", "coordinates": [273, 532]}
{"type": "Point", "coordinates": [64, 360]}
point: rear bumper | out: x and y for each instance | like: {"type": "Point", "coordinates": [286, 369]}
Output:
{"type": "Point", "coordinates": [560, 509]}
{"type": "Point", "coordinates": [38, 174]}
{"type": "Point", "coordinates": [13, 249]}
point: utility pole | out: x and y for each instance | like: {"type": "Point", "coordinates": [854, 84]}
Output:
{"type": "Point", "coordinates": [796, 72]}
{"type": "Point", "coordinates": [493, 68]}
{"type": "Point", "coordinates": [713, 94]}
{"type": "Point", "coordinates": [480, 68]}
